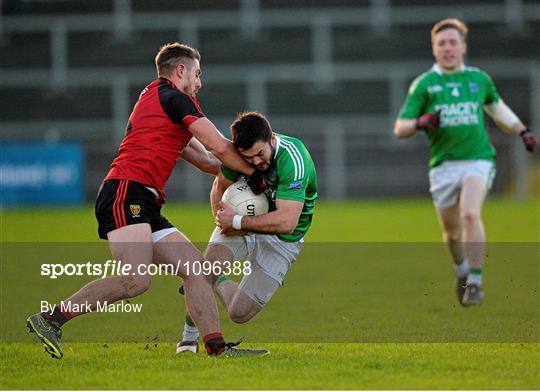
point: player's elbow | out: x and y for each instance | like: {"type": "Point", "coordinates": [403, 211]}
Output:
{"type": "Point", "coordinates": [211, 166]}
{"type": "Point", "coordinates": [404, 128]}
{"type": "Point", "coordinates": [399, 132]}
{"type": "Point", "coordinates": [285, 230]}
{"type": "Point", "coordinates": [287, 227]}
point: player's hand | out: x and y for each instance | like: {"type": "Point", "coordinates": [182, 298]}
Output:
{"type": "Point", "coordinates": [429, 120]}
{"type": "Point", "coordinates": [529, 140]}
{"type": "Point", "coordinates": [257, 182]}
{"type": "Point", "coordinates": [224, 218]}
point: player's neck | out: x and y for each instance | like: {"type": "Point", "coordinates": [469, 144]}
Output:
{"type": "Point", "coordinates": [452, 70]}
{"type": "Point", "coordinates": [175, 81]}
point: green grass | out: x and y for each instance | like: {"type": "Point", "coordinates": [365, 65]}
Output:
{"type": "Point", "coordinates": [372, 310]}
{"type": "Point", "coordinates": [289, 366]}
{"type": "Point", "coordinates": [359, 221]}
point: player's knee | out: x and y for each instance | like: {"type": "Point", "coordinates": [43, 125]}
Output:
{"type": "Point", "coordinates": [240, 315]}
{"type": "Point", "coordinates": [135, 285]}
{"type": "Point", "coordinates": [470, 217]}
{"type": "Point", "coordinates": [451, 234]}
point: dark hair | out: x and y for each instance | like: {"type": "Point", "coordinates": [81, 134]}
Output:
{"type": "Point", "coordinates": [248, 128]}
{"type": "Point", "coordinates": [455, 24]}
{"type": "Point", "coordinates": [170, 55]}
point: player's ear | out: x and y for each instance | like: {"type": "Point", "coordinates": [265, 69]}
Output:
{"type": "Point", "coordinates": [180, 69]}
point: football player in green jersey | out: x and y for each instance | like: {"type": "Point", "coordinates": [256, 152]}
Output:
{"type": "Point", "coordinates": [447, 102]}
{"type": "Point", "coordinates": [278, 235]}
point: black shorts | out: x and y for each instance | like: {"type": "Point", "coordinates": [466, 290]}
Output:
{"type": "Point", "coordinates": [125, 202]}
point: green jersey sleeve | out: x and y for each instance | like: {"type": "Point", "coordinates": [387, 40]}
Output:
{"type": "Point", "coordinates": [229, 174]}
{"type": "Point", "coordinates": [292, 175]}
{"type": "Point", "coordinates": [416, 100]}
{"type": "Point", "coordinates": [491, 91]}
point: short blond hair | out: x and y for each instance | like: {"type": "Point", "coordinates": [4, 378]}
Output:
{"type": "Point", "coordinates": [172, 54]}
{"type": "Point", "coordinates": [450, 23]}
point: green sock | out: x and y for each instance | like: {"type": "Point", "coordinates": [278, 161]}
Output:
{"type": "Point", "coordinates": [475, 276]}
{"type": "Point", "coordinates": [220, 280]}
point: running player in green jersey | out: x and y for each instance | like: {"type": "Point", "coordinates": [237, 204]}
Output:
{"type": "Point", "coordinates": [279, 234]}
{"type": "Point", "coordinates": [447, 102]}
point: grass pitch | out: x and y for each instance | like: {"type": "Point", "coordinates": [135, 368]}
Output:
{"type": "Point", "coordinates": [289, 366]}
{"type": "Point", "coordinates": [365, 331]}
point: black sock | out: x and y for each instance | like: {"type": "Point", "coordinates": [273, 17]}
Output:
{"type": "Point", "coordinates": [57, 317]}
{"type": "Point", "coordinates": [214, 343]}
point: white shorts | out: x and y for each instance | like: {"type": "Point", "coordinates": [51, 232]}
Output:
{"type": "Point", "coordinates": [270, 260]}
{"type": "Point", "coordinates": [447, 179]}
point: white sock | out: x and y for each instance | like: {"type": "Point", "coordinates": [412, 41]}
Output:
{"type": "Point", "coordinates": [190, 333]}
{"type": "Point", "coordinates": [473, 278]}
{"type": "Point", "coordinates": [461, 269]}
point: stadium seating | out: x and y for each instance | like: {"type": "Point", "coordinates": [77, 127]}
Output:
{"type": "Point", "coordinates": [84, 112]}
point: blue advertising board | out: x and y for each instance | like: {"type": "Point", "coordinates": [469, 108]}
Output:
{"type": "Point", "coordinates": [39, 173]}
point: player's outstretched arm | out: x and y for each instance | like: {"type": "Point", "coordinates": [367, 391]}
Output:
{"type": "Point", "coordinates": [221, 147]}
{"type": "Point", "coordinates": [405, 127]}
{"type": "Point", "coordinates": [504, 117]}
{"type": "Point", "coordinates": [509, 122]}
{"type": "Point", "coordinates": [281, 221]}
{"type": "Point", "coordinates": [198, 156]}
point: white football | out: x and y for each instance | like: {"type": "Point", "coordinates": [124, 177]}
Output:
{"type": "Point", "coordinates": [243, 201]}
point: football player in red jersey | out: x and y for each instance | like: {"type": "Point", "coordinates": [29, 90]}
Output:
{"type": "Point", "coordinates": [166, 123]}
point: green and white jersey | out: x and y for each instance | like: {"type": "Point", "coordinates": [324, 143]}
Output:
{"type": "Point", "coordinates": [292, 176]}
{"type": "Point", "coordinates": [460, 97]}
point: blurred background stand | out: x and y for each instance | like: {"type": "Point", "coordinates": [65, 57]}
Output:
{"type": "Point", "coordinates": [334, 74]}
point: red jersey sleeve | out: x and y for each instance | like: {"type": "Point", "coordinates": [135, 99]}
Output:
{"type": "Point", "coordinates": [181, 108]}
{"type": "Point", "coordinates": [188, 109]}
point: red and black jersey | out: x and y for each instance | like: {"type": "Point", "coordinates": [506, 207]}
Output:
{"type": "Point", "coordinates": [156, 134]}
